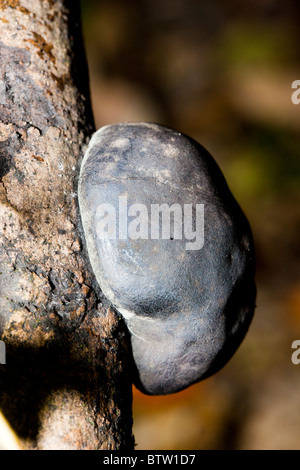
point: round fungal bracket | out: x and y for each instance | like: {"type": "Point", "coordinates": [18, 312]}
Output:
{"type": "Point", "coordinates": [170, 249]}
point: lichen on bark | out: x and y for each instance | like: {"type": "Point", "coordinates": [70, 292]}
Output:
{"type": "Point", "coordinates": [66, 383]}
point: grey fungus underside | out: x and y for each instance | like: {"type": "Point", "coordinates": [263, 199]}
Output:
{"type": "Point", "coordinates": [187, 309]}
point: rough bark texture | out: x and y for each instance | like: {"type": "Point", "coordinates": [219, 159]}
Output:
{"type": "Point", "coordinates": [66, 383]}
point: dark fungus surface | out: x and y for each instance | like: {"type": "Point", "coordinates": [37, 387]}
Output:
{"type": "Point", "coordinates": [171, 250]}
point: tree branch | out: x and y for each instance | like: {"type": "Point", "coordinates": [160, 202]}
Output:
{"type": "Point", "coordinates": [66, 383]}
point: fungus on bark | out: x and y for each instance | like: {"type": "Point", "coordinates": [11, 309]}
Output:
{"type": "Point", "coordinates": [171, 250]}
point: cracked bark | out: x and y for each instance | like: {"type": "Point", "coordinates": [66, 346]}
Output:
{"type": "Point", "coordinates": [67, 381]}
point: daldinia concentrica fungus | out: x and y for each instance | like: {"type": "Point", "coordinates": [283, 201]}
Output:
{"type": "Point", "coordinates": [170, 249]}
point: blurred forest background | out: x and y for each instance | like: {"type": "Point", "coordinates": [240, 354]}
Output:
{"type": "Point", "coordinates": [221, 72]}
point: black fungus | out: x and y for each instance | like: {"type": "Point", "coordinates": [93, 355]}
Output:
{"type": "Point", "coordinates": [171, 250]}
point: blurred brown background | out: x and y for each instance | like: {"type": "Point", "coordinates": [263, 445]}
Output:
{"type": "Point", "coordinates": [220, 71]}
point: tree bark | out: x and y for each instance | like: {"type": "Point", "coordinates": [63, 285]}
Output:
{"type": "Point", "coordinates": [67, 379]}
